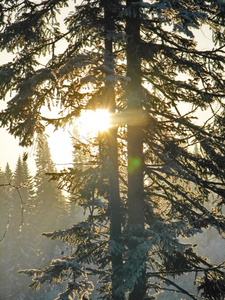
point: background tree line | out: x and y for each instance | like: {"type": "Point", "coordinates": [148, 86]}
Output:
{"type": "Point", "coordinates": [30, 206]}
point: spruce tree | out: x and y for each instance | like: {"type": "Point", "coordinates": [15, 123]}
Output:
{"type": "Point", "coordinates": [6, 198]}
{"type": "Point", "coordinates": [157, 68]}
{"type": "Point", "coordinates": [5, 217]}
{"type": "Point", "coordinates": [48, 198]}
{"type": "Point", "coordinates": [111, 10]}
{"type": "Point", "coordinates": [20, 180]}
{"type": "Point", "coordinates": [51, 209]}
{"type": "Point", "coordinates": [23, 245]}
{"type": "Point", "coordinates": [18, 246]}
{"type": "Point", "coordinates": [4, 202]}
{"type": "Point", "coordinates": [8, 173]}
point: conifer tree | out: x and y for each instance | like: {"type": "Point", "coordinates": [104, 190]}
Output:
{"type": "Point", "coordinates": [18, 246]}
{"type": "Point", "coordinates": [4, 217]}
{"type": "Point", "coordinates": [47, 193]}
{"type": "Point", "coordinates": [112, 170]}
{"type": "Point", "coordinates": [49, 201]}
{"type": "Point", "coordinates": [6, 198]}
{"type": "Point", "coordinates": [157, 66]}
{"type": "Point", "coordinates": [8, 173]}
{"type": "Point", "coordinates": [136, 220]}
{"type": "Point", "coordinates": [23, 245]}
{"type": "Point", "coordinates": [20, 179]}
{"type": "Point", "coordinates": [4, 203]}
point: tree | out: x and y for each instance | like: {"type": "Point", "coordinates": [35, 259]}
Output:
{"type": "Point", "coordinates": [153, 67]}
{"type": "Point", "coordinates": [135, 146]}
{"type": "Point", "coordinates": [22, 244]}
{"type": "Point", "coordinates": [17, 247]}
{"type": "Point", "coordinates": [22, 192]}
{"type": "Point", "coordinates": [8, 173]}
{"type": "Point", "coordinates": [49, 200]}
{"type": "Point", "coordinates": [20, 179]}
{"type": "Point", "coordinates": [115, 205]}
{"type": "Point", "coordinates": [5, 196]}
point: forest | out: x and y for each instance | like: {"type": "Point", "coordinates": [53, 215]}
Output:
{"type": "Point", "coordinates": [30, 206]}
{"type": "Point", "coordinates": [150, 186]}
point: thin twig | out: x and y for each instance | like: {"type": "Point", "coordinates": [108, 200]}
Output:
{"type": "Point", "coordinates": [21, 202]}
{"type": "Point", "coordinates": [6, 229]}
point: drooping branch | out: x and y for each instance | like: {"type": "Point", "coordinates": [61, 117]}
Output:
{"type": "Point", "coordinates": [6, 229]}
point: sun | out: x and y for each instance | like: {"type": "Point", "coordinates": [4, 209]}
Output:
{"type": "Point", "coordinates": [88, 125]}
{"type": "Point", "coordinates": [92, 122]}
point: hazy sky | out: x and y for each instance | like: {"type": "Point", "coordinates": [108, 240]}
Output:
{"type": "Point", "coordinates": [60, 144]}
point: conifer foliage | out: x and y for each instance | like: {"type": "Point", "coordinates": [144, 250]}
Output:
{"type": "Point", "coordinates": [49, 201]}
{"type": "Point", "coordinates": [144, 189]}
{"type": "Point", "coordinates": [29, 207]}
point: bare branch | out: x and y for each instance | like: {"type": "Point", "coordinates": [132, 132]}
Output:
{"type": "Point", "coordinates": [6, 229]}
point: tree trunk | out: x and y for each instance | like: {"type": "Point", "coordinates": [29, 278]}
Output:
{"type": "Point", "coordinates": [112, 154]}
{"type": "Point", "coordinates": [135, 138]}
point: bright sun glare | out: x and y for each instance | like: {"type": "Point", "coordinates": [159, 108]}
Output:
{"type": "Point", "coordinates": [94, 121]}
{"type": "Point", "coordinates": [88, 125]}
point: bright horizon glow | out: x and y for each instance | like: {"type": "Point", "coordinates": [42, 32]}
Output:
{"type": "Point", "coordinates": [91, 122]}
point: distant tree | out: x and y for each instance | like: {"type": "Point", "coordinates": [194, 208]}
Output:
{"type": "Point", "coordinates": [8, 173]}
{"type": "Point", "coordinates": [4, 202]}
{"type": "Point", "coordinates": [22, 186]}
{"type": "Point", "coordinates": [23, 245]}
{"type": "Point", "coordinates": [6, 197]}
{"type": "Point", "coordinates": [80, 152]}
{"type": "Point", "coordinates": [18, 247]}
{"type": "Point", "coordinates": [50, 201]}
{"type": "Point", "coordinates": [142, 62]}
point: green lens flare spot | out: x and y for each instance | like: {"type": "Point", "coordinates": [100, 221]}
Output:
{"type": "Point", "coordinates": [134, 164]}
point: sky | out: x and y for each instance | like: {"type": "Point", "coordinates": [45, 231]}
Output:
{"type": "Point", "coordinates": [59, 142]}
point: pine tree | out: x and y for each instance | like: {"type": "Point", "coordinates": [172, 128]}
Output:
{"type": "Point", "coordinates": [26, 248]}
{"type": "Point", "coordinates": [48, 196]}
{"type": "Point", "coordinates": [20, 180]}
{"type": "Point", "coordinates": [156, 68]}
{"type": "Point", "coordinates": [112, 170]}
{"type": "Point", "coordinates": [8, 174]}
{"type": "Point", "coordinates": [49, 201]}
{"type": "Point", "coordinates": [136, 218]}
{"type": "Point", "coordinates": [22, 193]}
{"type": "Point", "coordinates": [4, 202]}
{"type": "Point", "coordinates": [6, 197]}
{"type": "Point", "coordinates": [17, 247]}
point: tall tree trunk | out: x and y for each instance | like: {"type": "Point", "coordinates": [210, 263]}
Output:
{"type": "Point", "coordinates": [112, 148]}
{"type": "Point", "coordinates": [135, 138]}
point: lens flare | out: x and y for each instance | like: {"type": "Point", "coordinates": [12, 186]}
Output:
{"type": "Point", "coordinates": [94, 121]}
